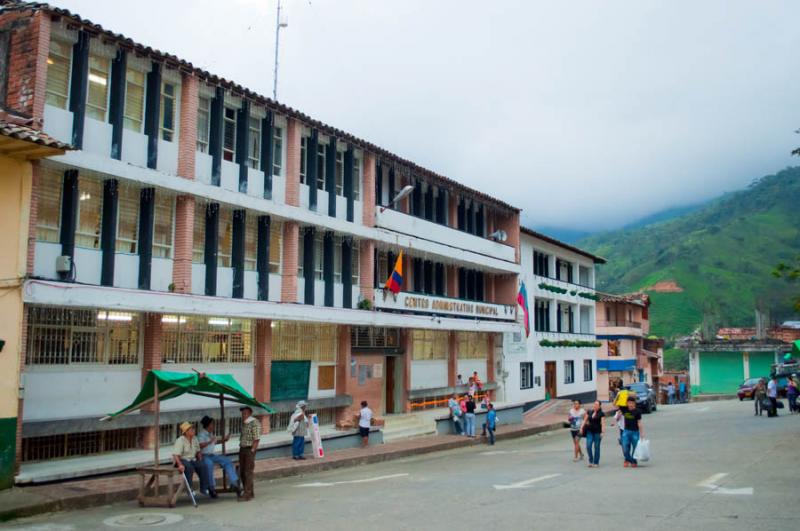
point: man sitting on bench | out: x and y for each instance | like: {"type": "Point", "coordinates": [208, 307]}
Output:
{"type": "Point", "coordinates": [207, 443]}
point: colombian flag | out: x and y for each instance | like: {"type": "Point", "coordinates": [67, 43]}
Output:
{"type": "Point", "coordinates": [522, 300]}
{"type": "Point", "coordinates": [395, 280]}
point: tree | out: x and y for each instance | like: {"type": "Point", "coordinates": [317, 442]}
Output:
{"type": "Point", "coordinates": [789, 272]}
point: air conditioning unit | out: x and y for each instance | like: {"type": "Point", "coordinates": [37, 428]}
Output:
{"type": "Point", "coordinates": [63, 264]}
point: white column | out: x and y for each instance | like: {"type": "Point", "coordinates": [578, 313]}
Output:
{"type": "Point", "coordinates": [553, 315]}
{"type": "Point", "coordinates": [551, 260]}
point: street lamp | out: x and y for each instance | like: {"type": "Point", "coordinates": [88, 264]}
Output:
{"type": "Point", "coordinates": [402, 194]}
{"type": "Point", "coordinates": [279, 23]}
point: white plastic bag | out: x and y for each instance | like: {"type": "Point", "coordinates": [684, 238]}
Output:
{"type": "Point", "coordinates": [642, 451]}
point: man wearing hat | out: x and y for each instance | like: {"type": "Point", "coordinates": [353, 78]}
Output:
{"type": "Point", "coordinates": [208, 442]}
{"type": "Point", "coordinates": [298, 427]}
{"type": "Point", "coordinates": [186, 455]}
{"type": "Point", "coordinates": [248, 445]}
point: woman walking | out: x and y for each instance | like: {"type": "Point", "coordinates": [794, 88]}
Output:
{"type": "Point", "coordinates": [575, 418]}
{"type": "Point", "coordinates": [594, 427]}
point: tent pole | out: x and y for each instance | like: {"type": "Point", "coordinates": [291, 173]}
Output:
{"type": "Point", "coordinates": [158, 427]}
{"type": "Point", "coordinates": [222, 422]}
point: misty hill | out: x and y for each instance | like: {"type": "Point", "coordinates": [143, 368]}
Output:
{"type": "Point", "coordinates": [715, 259]}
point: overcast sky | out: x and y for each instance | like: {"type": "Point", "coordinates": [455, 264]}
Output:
{"type": "Point", "coordinates": [587, 115]}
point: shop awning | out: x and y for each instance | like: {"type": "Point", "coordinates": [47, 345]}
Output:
{"type": "Point", "coordinates": [174, 384]}
{"type": "Point", "coordinates": [616, 365]}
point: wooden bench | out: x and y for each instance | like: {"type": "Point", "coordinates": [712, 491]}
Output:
{"type": "Point", "coordinates": [150, 494]}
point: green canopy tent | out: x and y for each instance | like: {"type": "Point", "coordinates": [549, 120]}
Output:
{"type": "Point", "coordinates": [795, 350]}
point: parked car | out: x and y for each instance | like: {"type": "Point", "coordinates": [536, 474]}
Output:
{"type": "Point", "coordinates": [747, 388]}
{"type": "Point", "coordinates": [645, 396]}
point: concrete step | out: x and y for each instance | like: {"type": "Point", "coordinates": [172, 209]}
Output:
{"type": "Point", "coordinates": [408, 433]}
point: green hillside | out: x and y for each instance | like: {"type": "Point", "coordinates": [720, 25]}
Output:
{"type": "Point", "coordinates": [721, 255]}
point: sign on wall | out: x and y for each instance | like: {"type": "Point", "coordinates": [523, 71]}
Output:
{"type": "Point", "coordinates": [420, 303]}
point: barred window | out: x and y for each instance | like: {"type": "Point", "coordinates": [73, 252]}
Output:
{"type": "Point", "coordinates": [61, 336]}
{"type": "Point", "coordinates": [429, 344]}
{"type": "Point", "coordinates": [203, 123]}
{"type": "Point", "coordinates": [356, 179]}
{"type": "Point", "coordinates": [251, 242]}
{"type": "Point", "coordinates": [199, 233]}
{"type": "Point", "coordinates": [97, 94]}
{"type": "Point", "coordinates": [277, 151]}
{"type": "Point", "coordinates": [163, 224]}
{"type": "Point", "coordinates": [167, 110]}
{"type": "Point", "coordinates": [128, 220]}
{"type": "Point", "coordinates": [58, 67]}
{"type": "Point", "coordinates": [292, 341]}
{"type": "Point", "coordinates": [134, 99]}
{"type": "Point", "coordinates": [229, 135]}
{"type": "Point", "coordinates": [49, 447]}
{"type": "Point", "coordinates": [48, 217]}
{"type": "Point", "coordinates": [473, 345]}
{"type": "Point", "coordinates": [189, 339]}
{"type": "Point", "coordinates": [275, 247]}
{"type": "Point", "coordinates": [90, 204]}
{"type": "Point", "coordinates": [303, 148]}
{"type": "Point", "coordinates": [225, 238]}
{"type": "Point", "coordinates": [254, 151]}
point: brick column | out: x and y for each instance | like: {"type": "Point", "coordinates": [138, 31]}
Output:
{"type": "Point", "coordinates": [262, 377]}
{"type": "Point", "coordinates": [291, 237]}
{"type": "Point", "coordinates": [343, 357]}
{"type": "Point", "coordinates": [152, 360]}
{"type": "Point", "coordinates": [452, 281]}
{"type": "Point", "coordinates": [184, 234]}
{"type": "Point", "coordinates": [368, 190]}
{"type": "Point", "coordinates": [366, 269]}
{"type": "Point", "coordinates": [293, 135]}
{"type": "Point", "coordinates": [187, 137]}
{"type": "Point", "coordinates": [407, 351]}
{"type": "Point", "coordinates": [28, 48]}
{"type": "Point", "coordinates": [490, 377]}
{"type": "Point", "coordinates": [452, 358]}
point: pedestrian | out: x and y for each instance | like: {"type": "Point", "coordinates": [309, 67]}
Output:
{"type": "Point", "coordinates": [248, 446]}
{"type": "Point", "coordinates": [459, 380]}
{"type": "Point", "coordinates": [759, 396]}
{"type": "Point", "coordinates": [792, 392]}
{"type": "Point", "coordinates": [469, 417]}
{"type": "Point", "coordinates": [772, 394]}
{"type": "Point", "coordinates": [575, 418]}
{"type": "Point", "coordinates": [594, 427]}
{"type": "Point", "coordinates": [298, 427]}
{"type": "Point", "coordinates": [671, 393]}
{"type": "Point", "coordinates": [682, 391]}
{"type": "Point", "coordinates": [473, 387]}
{"type": "Point", "coordinates": [455, 414]}
{"type": "Point", "coordinates": [364, 423]}
{"type": "Point", "coordinates": [491, 423]}
{"type": "Point", "coordinates": [208, 441]}
{"type": "Point", "coordinates": [186, 456]}
{"type": "Point", "coordinates": [477, 380]}
{"type": "Point", "coordinates": [633, 430]}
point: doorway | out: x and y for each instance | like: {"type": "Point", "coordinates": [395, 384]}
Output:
{"type": "Point", "coordinates": [550, 379]}
{"type": "Point", "coordinates": [390, 363]}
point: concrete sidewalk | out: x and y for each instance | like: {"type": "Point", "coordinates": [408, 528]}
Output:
{"type": "Point", "coordinates": [27, 501]}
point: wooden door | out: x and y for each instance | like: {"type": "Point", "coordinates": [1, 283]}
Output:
{"type": "Point", "coordinates": [388, 376]}
{"type": "Point", "coordinates": [550, 379]}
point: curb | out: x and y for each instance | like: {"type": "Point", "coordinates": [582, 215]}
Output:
{"type": "Point", "coordinates": [85, 501]}
{"type": "Point", "coordinates": [711, 398]}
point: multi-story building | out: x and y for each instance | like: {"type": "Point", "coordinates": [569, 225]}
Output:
{"type": "Point", "coordinates": [558, 357]}
{"type": "Point", "coordinates": [199, 225]}
{"type": "Point", "coordinates": [626, 354]}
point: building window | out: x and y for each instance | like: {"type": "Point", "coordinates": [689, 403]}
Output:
{"type": "Point", "coordinates": [541, 318]}
{"type": "Point", "coordinates": [569, 372]}
{"type": "Point", "coordinates": [48, 216]}
{"type": "Point", "coordinates": [587, 371]}
{"type": "Point", "coordinates": [61, 336]}
{"type": "Point", "coordinates": [90, 204]}
{"type": "Point", "coordinates": [613, 348]}
{"type": "Point", "coordinates": [134, 100]}
{"type": "Point", "coordinates": [275, 239]}
{"type": "Point", "coordinates": [429, 344]}
{"type": "Point", "coordinates": [356, 179]}
{"type": "Point", "coordinates": [199, 233]}
{"type": "Point", "coordinates": [473, 345]}
{"type": "Point", "coordinates": [97, 98]}
{"type": "Point", "coordinates": [58, 67]}
{"type": "Point", "coordinates": [277, 150]}
{"type": "Point", "coordinates": [225, 238]}
{"type": "Point", "coordinates": [541, 264]}
{"type": "Point", "coordinates": [229, 135]}
{"type": "Point", "coordinates": [355, 263]}
{"type": "Point", "coordinates": [189, 339]}
{"type": "Point", "coordinates": [250, 242]}
{"type": "Point", "coordinates": [526, 375]}
{"type": "Point", "coordinates": [254, 152]}
{"type": "Point", "coordinates": [128, 220]}
{"type": "Point", "coordinates": [319, 256]}
{"type": "Point", "coordinates": [303, 149]}
{"type": "Point", "coordinates": [293, 341]}
{"type": "Point", "coordinates": [163, 225]}
{"type": "Point", "coordinates": [203, 123]}
{"type": "Point", "coordinates": [167, 112]}
{"type": "Point", "coordinates": [337, 259]}
{"type": "Point", "coordinates": [321, 166]}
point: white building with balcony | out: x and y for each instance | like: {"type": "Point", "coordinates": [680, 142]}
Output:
{"type": "Point", "coordinates": [558, 358]}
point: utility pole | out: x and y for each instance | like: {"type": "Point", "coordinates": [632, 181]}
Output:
{"type": "Point", "coordinates": [278, 26]}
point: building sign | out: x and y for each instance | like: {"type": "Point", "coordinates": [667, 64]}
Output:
{"type": "Point", "coordinates": [416, 302]}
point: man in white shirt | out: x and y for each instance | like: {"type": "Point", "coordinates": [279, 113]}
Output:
{"type": "Point", "coordinates": [772, 394]}
{"type": "Point", "coordinates": [364, 422]}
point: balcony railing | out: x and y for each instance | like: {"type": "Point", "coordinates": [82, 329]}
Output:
{"type": "Point", "coordinates": [625, 324]}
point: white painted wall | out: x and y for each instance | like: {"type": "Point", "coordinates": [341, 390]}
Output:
{"type": "Point", "coordinates": [161, 274]}
{"type": "Point", "coordinates": [466, 367]}
{"type": "Point", "coordinates": [58, 123]}
{"type": "Point", "coordinates": [313, 382]}
{"type": "Point", "coordinates": [202, 167]}
{"type": "Point", "coordinates": [279, 189]}
{"type": "Point", "coordinates": [224, 281]}
{"type": "Point", "coordinates": [229, 179]}
{"type": "Point", "coordinates": [134, 148]}
{"type": "Point", "coordinates": [255, 182]}
{"type": "Point", "coordinates": [251, 285]}
{"type": "Point", "coordinates": [167, 157]}
{"type": "Point", "coordinates": [44, 262]}
{"type": "Point", "coordinates": [198, 279]}
{"type": "Point", "coordinates": [88, 265]}
{"type": "Point", "coordinates": [274, 288]}
{"type": "Point", "coordinates": [126, 270]}
{"type": "Point", "coordinates": [97, 137]}
{"type": "Point", "coordinates": [322, 203]}
{"type": "Point", "coordinates": [427, 374]}
{"type": "Point", "coordinates": [72, 392]}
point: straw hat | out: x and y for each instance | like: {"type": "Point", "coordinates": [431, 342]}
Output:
{"type": "Point", "coordinates": [185, 427]}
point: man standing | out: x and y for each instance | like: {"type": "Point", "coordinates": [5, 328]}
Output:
{"type": "Point", "coordinates": [491, 423]}
{"type": "Point", "coordinates": [248, 446]}
{"type": "Point", "coordinates": [455, 413]}
{"type": "Point", "coordinates": [759, 395]}
{"type": "Point", "coordinates": [298, 427]}
{"type": "Point", "coordinates": [633, 429]}
{"type": "Point", "coordinates": [364, 422]}
{"type": "Point", "coordinates": [186, 455]}
{"type": "Point", "coordinates": [207, 444]}
{"type": "Point", "coordinates": [682, 391]}
{"type": "Point", "coordinates": [671, 393]}
{"type": "Point", "coordinates": [772, 394]}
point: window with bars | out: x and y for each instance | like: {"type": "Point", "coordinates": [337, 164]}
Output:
{"type": "Point", "coordinates": [319, 256]}
{"type": "Point", "coordinates": [277, 150]}
{"type": "Point", "coordinates": [356, 178]}
{"type": "Point", "coordinates": [321, 166]}
{"type": "Point", "coordinates": [569, 372]}
{"type": "Point", "coordinates": [90, 205]}
{"type": "Point", "coordinates": [189, 339]}
{"type": "Point", "coordinates": [58, 73]}
{"type": "Point", "coordinates": [128, 220]}
{"type": "Point", "coordinates": [526, 375]}
{"type": "Point", "coordinates": [355, 264]}
{"type": "Point", "coordinates": [229, 135]}
{"type": "Point", "coordinates": [541, 264]}
{"type": "Point", "coordinates": [429, 344]}
{"type": "Point", "coordinates": [587, 371]}
{"type": "Point", "coordinates": [275, 246]}
{"type": "Point", "coordinates": [280, 421]}
{"type": "Point", "coordinates": [250, 241]}
{"type": "Point", "coordinates": [168, 433]}
{"type": "Point", "coordinates": [97, 94]}
{"type": "Point", "coordinates": [167, 121]}
{"type": "Point", "coordinates": [164, 220]}
{"type": "Point", "coordinates": [48, 217]}
{"type": "Point", "coordinates": [199, 233]}
{"type": "Point", "coordinates": [370, 337]}
{"type": "Point", "coordinates": [340, 173]}
{"type": "Point", "coordinates": [293, 341]}
{"type": "Point", "coordinates": [59, 446]}
{"type": "Point", "coordinates": [61, 336]}
{"type": "Point", "coordinates": [303, 149]}
{"type": "Point", "coordinates": [254, 149]}
{"type": "Point", "coordinates": [225, 238]}
{"type": "Point", "coordinates": [134, 100]}
{"type": "Point", "coordinates": [473, 345]}
{"type": "Point", "coordinates": [203, 123]}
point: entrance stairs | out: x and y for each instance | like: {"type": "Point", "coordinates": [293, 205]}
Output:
{"type": "Point", "coordinates": [552, 410]}
{"type": "Point", "coordinates": [410, 425]}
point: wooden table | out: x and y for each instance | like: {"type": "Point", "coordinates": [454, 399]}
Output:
{"type": "Point", "coordinates": [150, 492]}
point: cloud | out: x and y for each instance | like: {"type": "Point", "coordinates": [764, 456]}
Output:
{"type": "Point", "coordinates": [584, 114]}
